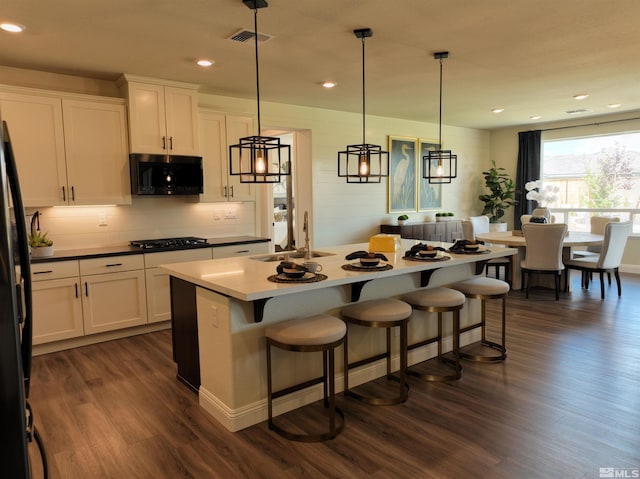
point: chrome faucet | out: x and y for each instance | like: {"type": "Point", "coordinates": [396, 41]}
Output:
{"type": "Point", "coordinates": [305, 228]}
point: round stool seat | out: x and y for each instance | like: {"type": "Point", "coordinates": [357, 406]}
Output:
{"type": "Point", "coordinates": [312, 331]}
{"type": "Point", "coordinates": [482, 286]}
{"type": "Point", "coordinates": [378, 310]}
{"type": "Point", "coordinates": [435, 298]}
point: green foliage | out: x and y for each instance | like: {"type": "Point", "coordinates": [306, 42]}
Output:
{"type": "Point", "coordinates": [502, 193]}
{"type": "Point", "coordinates": [403, 217]}
{"type": "Point", "coordinates": [609, 179]}
{"type": "Point", "coordinates": [39, 240]}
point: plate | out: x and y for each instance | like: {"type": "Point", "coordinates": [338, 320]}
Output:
{"type": "Point", "coordinates": [359, 267]}
{"type": "Point", "coordinates": [478, 251]}
{"type": "Point", "coordinates": [427, 260]}
{"type": "Point", "coordinates": [304, 277]}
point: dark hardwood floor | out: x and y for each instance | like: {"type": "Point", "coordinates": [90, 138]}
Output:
{"type": "Point", "coordinates": [565, 403]}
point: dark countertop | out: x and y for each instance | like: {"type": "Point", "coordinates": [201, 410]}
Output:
{"type": "Point", "coordinates": [105, 251]}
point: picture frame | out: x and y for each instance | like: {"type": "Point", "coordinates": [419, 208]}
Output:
{"type": "Point", "coordinates": [402, 174]}
{"type": "Point", "coordinates": [429, 194]}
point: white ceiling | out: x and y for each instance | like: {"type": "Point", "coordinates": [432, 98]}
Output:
{"type": "Point", "coordinates": [527, 56]}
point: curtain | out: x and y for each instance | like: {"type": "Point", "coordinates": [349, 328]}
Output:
{"type": "Point", "coordinates": [529, 146]}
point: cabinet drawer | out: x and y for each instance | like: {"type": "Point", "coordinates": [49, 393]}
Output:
{"type": "Point", "coordinates": [154, 259]}
{"type": "Point", "coordinates": [240, 250]}
{"type": "Point", "coordinates": [54, 270]}
{"type": "Point", "coordinates": [111, 264]}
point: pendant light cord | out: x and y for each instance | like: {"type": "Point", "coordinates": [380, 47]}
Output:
{"type": "Point", "coordinates": [255, 36]}
{"type": "Point", "coordinates": [363, 95]}
{"type": "Point", "coordinates": [440, 120]}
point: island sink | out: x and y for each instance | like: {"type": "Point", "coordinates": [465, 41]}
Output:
{"type": "Point", "coordinates": [286, 255]}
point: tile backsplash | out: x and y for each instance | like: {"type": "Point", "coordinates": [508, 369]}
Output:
{"type": "Point", "coordinates": [146, 218]}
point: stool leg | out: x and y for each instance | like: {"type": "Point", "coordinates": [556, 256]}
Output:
{"type": "Point", "coordinates": [269, 387]}
{"type": "Point", "coordinates": [346, 362]}
{"type": "Point", "coordinates": [403, 361]}
{"type": "Point", "coordinates": [332, 391]}
{"type": "Point", "coordinates": [388, 353]}
{"type": "Point", "coordinates": [456, 342]}
{"type": "Point", "coordinates": [325, 380]}
{"type": "Point", "coordinates": [439, 335]}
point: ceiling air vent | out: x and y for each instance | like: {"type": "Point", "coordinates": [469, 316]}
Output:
{"type": "Point", "coordinates": [243, 36]}
{"type": "Point", "coordinates": [575, 112]}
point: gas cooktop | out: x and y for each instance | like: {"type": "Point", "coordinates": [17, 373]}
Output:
{"type": "Point", "coordinates": [186, 241]}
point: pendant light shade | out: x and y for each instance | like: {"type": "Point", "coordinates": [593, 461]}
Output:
{"type": "Point", "coordinates": [259, 159]}
{"type": "Point", "coordinates": [440, 166]}
{"type": "Point", "coordinates": [363, 163]}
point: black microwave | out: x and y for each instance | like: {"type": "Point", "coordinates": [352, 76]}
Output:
{"type": "Point", "coordinates": [165, 174]}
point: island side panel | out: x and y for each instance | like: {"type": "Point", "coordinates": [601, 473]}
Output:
{"type": "Point", "coordinates": [185, 332]}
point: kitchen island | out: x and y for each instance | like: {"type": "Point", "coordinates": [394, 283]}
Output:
{"type": "Point", "coordinates": [224, 305]}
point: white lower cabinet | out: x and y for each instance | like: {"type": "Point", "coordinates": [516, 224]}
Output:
{"type": "Point", "coordinates": [113, 293]}
{"type": "Point", "coordinates": [57, 306]}
{"type": "Point", "coordinates": [158, 288]}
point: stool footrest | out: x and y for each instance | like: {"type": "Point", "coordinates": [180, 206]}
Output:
{"type": "Point", "coordinates": [297, 387]}
{"type": "Point", "coordinates": [423, 343]}
{"type": "Point", "coordinates": [485, 358]}
{"type": "Point", "coordinates": [378, 401]}
{"type": "Point", "coordinates": [451, 365]}
{"type": "Point", "coordinates": [311, 437]}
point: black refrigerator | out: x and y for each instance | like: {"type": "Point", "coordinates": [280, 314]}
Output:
{"type": "Point", "coordinates": [17, 430]}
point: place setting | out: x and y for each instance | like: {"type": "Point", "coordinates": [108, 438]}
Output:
{"type": "Point", "coordinates": [426, 253]}
{"type": "Point", "coordinates": [366, 261]}
{"type": "Point", "coordinates": [291, 272]}
{"type": "Point", "coordinates": [469, 247]}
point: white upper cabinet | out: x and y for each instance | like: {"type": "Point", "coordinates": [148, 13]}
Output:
{"type": "Point", "coordinates": [35, 127]}
{"type": "Point", "coordinates": [163, 118]}
{"type": "Point", "coordinates": [95, 135]}
{"type": "Point", "coordinates": [70, 149]}
{"type": "Point", "coordinates": [219, 131]}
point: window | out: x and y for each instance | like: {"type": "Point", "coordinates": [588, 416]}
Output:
{"type": "Point", "coordinates": [596, 175]}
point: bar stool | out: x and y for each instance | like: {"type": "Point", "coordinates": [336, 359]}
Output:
{"type": "Point", "coordinates": [379, 313]}
{"type": "Point", "coordinates": [315, 333]}
{"type": "Point", "coordinates": [439, 300]}
{"type": "Point", "coordinates": [484, 288]}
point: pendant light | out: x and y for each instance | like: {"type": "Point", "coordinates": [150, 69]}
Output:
{"type": "Point", "coordinates": [440, 166]}
{"type": "Point", "coordinates": [364, 163]}
{"type": "Point", "coordinates": [259, 159]}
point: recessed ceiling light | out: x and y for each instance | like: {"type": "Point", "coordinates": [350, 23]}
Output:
{"type": "Point", "coordinates": [615, 105]}
{"type": "Point", "coordinates": [329, 84]}
{"type": "Point", "coordinates": [205, 63]}
{"type": "Point", "coordinates": [12, 27]}
{"type": "Point", "coordinates": [497, 110]}
{"type": "Point", "coordinates": [580, 96]}
{"type": "Point", "coordinates": [535, 117]}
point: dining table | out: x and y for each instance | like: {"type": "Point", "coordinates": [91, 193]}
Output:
{"type": "Point", "coordinates": [516, 239]}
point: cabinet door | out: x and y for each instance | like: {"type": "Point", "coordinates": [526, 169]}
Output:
{"type": "Point", "coordinates": [147, 123]}
{"type": "Point", "coordinates": [97, 155]}
{"type": "Point", "coordinates": [36, 131]}
{"type": "Point", "coordinates": [113, 301]}
{"type": "Point", "coordinates": [181, 110]}
{"type": "Point", "coordinates": [57, 310]}
{"type": "Point", "coordinates": [214, 156]}
{"type": "Point", "coordinates": [238, 127]}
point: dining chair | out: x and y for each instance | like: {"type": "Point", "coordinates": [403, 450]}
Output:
{"type": "Point", "coordinates": [476, 225]}
{"type": "Point", "coordinates": [598, 224]}
{"type": "Point", "coordinates": [544, 252]}
{"type": "Point", "coordinates": [609, 259]}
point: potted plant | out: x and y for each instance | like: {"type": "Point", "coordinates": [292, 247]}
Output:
{"type": "Point", "coordinates": [39, 243]}
{"type": "Point", "coordinates": [502, 193]}
{"type": "Point", "coordinates": [402, 219]}
{"type": "Point", "coordinates": [444, 216]}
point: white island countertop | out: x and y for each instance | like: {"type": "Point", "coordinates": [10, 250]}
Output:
{"type": "Point", "coordinates": [245, 278]}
